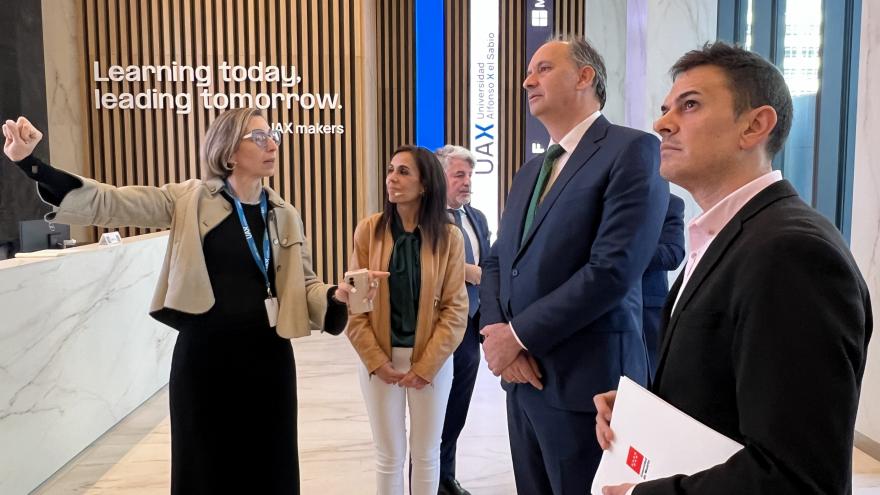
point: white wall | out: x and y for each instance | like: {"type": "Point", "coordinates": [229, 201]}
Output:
{"type": "Point", "coordinates": [866, 208]}
{"type": "Point", "coordinates": [640, 40]}
{"type": "Point", "coordinates": [62, 51]}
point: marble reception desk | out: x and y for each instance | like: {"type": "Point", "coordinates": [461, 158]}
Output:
{"type": "Point", "coordinates": [78, 352]}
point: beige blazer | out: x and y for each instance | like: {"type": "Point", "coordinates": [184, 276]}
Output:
{"type": "Point", "coordinates": [443, 303]}
{"type": "Point", "coordinates": [191, 209]}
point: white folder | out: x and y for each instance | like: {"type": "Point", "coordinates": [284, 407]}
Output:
{"type": "Point", "coordinates": [653, 439]}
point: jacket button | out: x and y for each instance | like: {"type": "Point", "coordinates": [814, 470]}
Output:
{"type": "Point", "coordinates": [275, 241]}
{"type": "Point", "coordinates": [515, 272]}
{"type": "Point", "coordinates": [284, 240]}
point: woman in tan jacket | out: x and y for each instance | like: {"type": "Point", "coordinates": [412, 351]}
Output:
{"type": "Point", "coordinates": [237, 282]}
{"type": "Point", "coordinates": [419, 319]}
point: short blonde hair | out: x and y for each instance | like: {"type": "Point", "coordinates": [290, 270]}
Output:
{"type": "Point", "coordinates": [221, 140]}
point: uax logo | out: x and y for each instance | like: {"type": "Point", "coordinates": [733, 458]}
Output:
{"type": "Point", "coordinates": [638, 462]}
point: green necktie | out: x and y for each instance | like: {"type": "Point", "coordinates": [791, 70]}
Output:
{"type": "Point", "coordinates": [553, 152]}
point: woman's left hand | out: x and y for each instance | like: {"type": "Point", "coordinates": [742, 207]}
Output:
{"type": "Point", "coordinates": [344, 291]}
{"type": "Point", "coordinates": [412, 380]}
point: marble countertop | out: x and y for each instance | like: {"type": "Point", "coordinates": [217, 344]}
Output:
{"type": "Point", "coordinates": [79, 352]}
{"type": "Point", "coordinates": [86, 248]}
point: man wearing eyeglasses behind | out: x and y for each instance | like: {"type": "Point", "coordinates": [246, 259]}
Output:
{"type": "Point", "coordinates": [237, 283]}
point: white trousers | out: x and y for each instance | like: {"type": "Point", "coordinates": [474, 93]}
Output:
{"type": "Point", "coordinates": [386, 407]}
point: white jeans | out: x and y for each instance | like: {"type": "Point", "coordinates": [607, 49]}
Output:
{"type": "Point", "coordinates": [386, 407]}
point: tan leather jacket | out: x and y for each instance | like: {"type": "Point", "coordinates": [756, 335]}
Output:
{"type": "Point", "coordinates": [191, 209]}
{"type": "Point", "coordinates": [443, 302]}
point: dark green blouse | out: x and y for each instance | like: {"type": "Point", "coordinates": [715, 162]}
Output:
{"type": "Point", "coordinates": [404, 283]}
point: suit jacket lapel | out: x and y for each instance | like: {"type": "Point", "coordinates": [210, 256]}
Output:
{"type": "Point", "coordinates": [665, 327]}
{"type": "Point", "coordinates": [517, 204]}
{"type": "Point", "coordinates": [472, 218]}
{"type": "Point", "coordinates": [585, 150]}
{"type": "Point", "coordinates": [710, 259]}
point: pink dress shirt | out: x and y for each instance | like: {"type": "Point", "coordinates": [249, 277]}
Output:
{"type": "Point", "coordinates": [703, 229]}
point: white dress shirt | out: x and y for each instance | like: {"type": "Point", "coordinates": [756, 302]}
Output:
{"type": "Point", "coordinates": [468, 229]}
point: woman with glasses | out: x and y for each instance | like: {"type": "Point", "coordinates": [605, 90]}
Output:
{"type": "Point", "coordinates": [406, 342]}
{"type": "Point", "coordinates": [237, 283]}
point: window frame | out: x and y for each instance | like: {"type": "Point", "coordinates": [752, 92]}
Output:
{"type": "Point", "coordinates": [836, 100]}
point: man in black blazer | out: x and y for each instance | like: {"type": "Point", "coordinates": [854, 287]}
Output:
{"type": "Point", "coordinates": [561, 298]}
{"type": "Point", "coordinates": [458, 165]}
{"type": "Point", "coordinates": [767, 327]}
{"type": "Point", "coordinates": [655, 284]}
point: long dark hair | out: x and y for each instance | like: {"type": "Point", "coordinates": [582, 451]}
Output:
{"type": "Point", "coordinates": [432, 210]}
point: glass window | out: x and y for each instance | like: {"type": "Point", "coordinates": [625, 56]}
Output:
{"type": "Point", "coordinates": [815, 44]}
{"type": "Point", "coordinates": [801, 65]}
{"type": "Point", "coordinates": [748, 44]}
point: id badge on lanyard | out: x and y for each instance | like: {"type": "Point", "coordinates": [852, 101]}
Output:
{"type": "Point", "coordinates": [271, 301]}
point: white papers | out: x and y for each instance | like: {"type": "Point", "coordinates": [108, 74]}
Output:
{"type": "Point", "coordinates": [653, 440]}
{"type": "Point", "coordinates": [45, 253]}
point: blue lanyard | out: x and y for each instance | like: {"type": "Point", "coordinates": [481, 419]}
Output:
{"type": "Point", "coordinates": [262, 264]}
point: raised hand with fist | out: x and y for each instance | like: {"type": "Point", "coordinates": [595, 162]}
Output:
{"type": "Point", "coordinates": [21, 138]}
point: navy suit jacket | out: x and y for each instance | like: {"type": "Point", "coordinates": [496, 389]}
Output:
{"type": "Point", "coordinates": [481, 228]}
{"type": "Point", "coordinates": [655, 283]}
{"type": "Point", "coordinates": [667, 257]}
{"type": "Point", "coordinates": [573, 291]}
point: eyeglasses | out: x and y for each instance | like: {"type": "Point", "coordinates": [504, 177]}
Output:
{"type": "Point", "coordinates": [261, 138]}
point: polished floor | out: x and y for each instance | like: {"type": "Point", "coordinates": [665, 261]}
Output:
{"type": "Point", "coordinates": [334, 437]}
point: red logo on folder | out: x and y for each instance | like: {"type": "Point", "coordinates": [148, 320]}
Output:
{"type": "Point", "coordinates": [638, 462]}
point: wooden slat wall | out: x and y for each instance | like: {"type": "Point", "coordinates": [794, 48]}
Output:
{"type": "Point", "coordinates": [317, 173]}
{"type": "Point", "coordinates": [511, 101]}
{"type": "Point", "coordinates": [458, 61]}
{"type": "Point", "coordinates": [395, 85]}
{"type": "Point", "coordinates": [568, 19]}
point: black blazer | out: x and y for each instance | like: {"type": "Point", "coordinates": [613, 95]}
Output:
{"type": "Point", "coordinates": [767, 345]}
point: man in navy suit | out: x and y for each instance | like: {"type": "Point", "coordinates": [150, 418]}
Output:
{"type": "Point", "coordinates": [458, 164]}
{"type": "Point", "coordinates": [561, 291]}
{"type": "Point", "coordinates": [655, 283]}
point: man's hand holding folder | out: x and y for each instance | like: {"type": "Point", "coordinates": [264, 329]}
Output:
{"type": "Point", "coordinates": [651, 439]}
{"type": "Point", "coordinates": [604, 406]}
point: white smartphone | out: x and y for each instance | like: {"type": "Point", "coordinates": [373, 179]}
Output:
{"type": "Point", "coordinates": [358, 302]}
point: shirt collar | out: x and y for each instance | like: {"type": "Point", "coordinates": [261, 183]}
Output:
{"type": "Point", "coordinates": [704, 228]}
{"type": "Point", "coordinates": [570, 141]}
{"type": "Point", "coordinates": [215, 186]}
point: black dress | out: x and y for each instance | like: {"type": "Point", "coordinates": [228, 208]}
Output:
{"type": "Point", "coordinates": [233, 381]}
